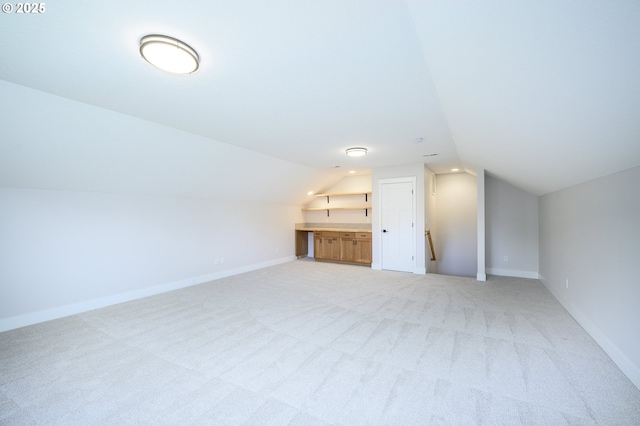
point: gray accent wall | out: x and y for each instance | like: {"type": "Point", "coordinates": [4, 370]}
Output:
{"type": "Point", "coordinates": [457, 224]}
{"type": "Point", "coordinates": [511, 219]}
{"type": "Point", "coordinates": [590, 260]}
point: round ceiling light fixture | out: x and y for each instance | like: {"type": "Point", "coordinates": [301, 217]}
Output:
{"type": "Point", "coordinates": [169, 54]}
{"type": "Point", "coordinates": [356, 151]}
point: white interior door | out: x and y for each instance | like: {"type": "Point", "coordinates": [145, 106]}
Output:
{"type": "Point", "coordinates": [397, 219]}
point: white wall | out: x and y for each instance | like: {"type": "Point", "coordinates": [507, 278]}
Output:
{"type": "Point", "coordinates": [354, 183]}
{"type": "Point", "coordinates": [590, 236]}
{"type": "Point", "coordinates": [511, 230]}
{"type": "Point", "coordinates": [98, 207]}
{"type": "Point", "coordinates": [64, 252]}
{"type": "Point", "coordinates": [457, 224]}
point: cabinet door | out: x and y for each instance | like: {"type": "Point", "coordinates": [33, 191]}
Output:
{"type": "Point", "coordinates": [347, 248]}
{"type": "Point", "coordinates": [362, 248]}
{"type": "Point", "coordinates": [362, 251]}
{"type": "Point", "coordinates": [326, 245]}
{"type": "Point", "coordinates": [332, 250]}
{"type": "Point", "coordinates": [319, 244]}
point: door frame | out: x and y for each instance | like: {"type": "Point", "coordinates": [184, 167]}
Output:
{"type": "Point", "coordinates": [378, 206]}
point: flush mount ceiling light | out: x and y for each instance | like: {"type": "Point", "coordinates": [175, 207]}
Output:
{"type": "Point", "coordinates": [169, 54]}
{"type": "Point", "coordinates": [356, 151]}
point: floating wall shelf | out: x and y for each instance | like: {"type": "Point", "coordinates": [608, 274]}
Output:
{"type": "Point", "coordinates": [339, 194]}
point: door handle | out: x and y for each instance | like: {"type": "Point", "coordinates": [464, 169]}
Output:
{"type": "Point", "coordinates": [385, 231]}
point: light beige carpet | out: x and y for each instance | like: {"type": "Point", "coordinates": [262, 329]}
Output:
{"type": "Point", "coordinates": [307, 343]}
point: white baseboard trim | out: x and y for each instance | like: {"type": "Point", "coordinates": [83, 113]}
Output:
{"type": "Point", "coordinates": [89, 305]}
{"type": "Point", "coordinates": [420, 271]}
{"type": "Point", "coordinates": [513, 273]}
{"type": "Point", "coordinates": [631, 370]}
{"type": "Point", "coordinates": [481, 277]}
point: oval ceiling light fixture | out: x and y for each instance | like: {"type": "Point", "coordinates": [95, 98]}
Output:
{"type": "Point", "coordinates": [169, 54]}
{"type": "Point", "coordinates": [356, 151]}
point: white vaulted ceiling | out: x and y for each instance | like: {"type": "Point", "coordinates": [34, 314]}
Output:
{"type": "Point", "coordinates": [544, 94]}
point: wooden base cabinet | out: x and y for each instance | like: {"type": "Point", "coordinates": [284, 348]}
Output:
{"type": "Point", "coordinates": [326, 245]}
{"type": "Point", "coordinates": [349, 247]}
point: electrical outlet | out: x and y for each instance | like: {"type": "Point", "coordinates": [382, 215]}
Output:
{"type": "Point", "coordinates": [506, 258]}
{"type": "Point", "coordinates": [566, 282]}
{"type": "Point", "coordinates": [222, 260]}
{"type": "Point", "coordinates": [216, 260]}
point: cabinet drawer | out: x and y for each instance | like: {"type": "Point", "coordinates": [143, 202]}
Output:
{"type": "Point", "coordinates": [363, 235]}
{"type": "Point", "coordinates": [326, 234]}
{"type": "Point", "coordinates": [347, 235]}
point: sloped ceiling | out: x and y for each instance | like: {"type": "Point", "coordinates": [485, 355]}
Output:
{"type": "Point", "coordinates": [54, 143]}
{"type": "Point", "coordinates": [543, 94]}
